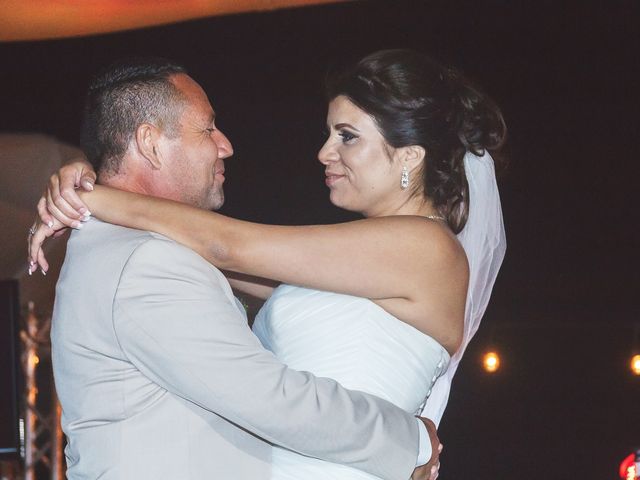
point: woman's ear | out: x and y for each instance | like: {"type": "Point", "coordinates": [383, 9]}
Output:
{"type": "Point", "coordinates": [412, 156]}
{"type": "Point", "coordinates": [146, 139]}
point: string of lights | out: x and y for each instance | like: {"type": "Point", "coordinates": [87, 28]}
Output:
{"type": "Point", "coordinates": [492, 359]}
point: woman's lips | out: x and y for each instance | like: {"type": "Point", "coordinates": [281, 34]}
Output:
{"type": "Point", "coordinates": [332, 179]}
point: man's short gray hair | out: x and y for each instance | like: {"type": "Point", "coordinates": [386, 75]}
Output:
{"type": "Point", "coordinates": [123, 97]}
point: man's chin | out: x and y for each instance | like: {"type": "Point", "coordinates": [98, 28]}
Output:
{"type": "Point", "coordinates": [216, 203]}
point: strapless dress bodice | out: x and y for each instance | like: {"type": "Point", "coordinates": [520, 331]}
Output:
{"type": "Point", "coordinates": [355, 342]}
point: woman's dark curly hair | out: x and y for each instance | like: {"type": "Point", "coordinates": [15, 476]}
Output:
{"type": "Point", "coordinates": [416, 101]}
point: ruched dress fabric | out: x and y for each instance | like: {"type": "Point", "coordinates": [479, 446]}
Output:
{"type": "Point", "coordinates": [355, 342]}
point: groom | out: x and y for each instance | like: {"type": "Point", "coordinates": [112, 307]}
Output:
{"type": "Point", "coordinates": [157, 372]}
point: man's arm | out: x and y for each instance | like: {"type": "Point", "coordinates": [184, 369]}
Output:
{"type": "Point", "coordinates": [177, 322]}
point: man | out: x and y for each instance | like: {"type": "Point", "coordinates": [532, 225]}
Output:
{"type": "Point", "coordinates": [156, 369]}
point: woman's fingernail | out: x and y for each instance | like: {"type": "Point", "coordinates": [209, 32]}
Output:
{"type": "Point", "coordinates": [86, 216]}
{"type": "Point", "coordinates": [31, 263]}
{"type": "Point", "coordinates": [88, 186]}
{"type": "Point", "coordinates": [50, 224]}
{"type": "Point", "coordinates": [82, 210]}
{"type": "Point", "coordinates": [29, 270]}
{"type": "Point", "coordinates": [44, 273]}
{"type": "Point", "coordinates": [76, 225]}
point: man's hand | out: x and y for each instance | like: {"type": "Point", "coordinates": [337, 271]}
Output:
{"type": "Point", "coordinates": [431, 469]}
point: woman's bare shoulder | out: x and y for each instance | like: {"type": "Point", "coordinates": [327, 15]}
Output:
{"type": "Point", "coordinates": [432, 237]}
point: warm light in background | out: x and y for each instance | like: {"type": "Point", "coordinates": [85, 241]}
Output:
{"type": "Point", "coordinates": [491, 362]}
{"type": "Point", "coordinates": [44, 19]}
{"type": "Point", "coordinates": [635, 364]}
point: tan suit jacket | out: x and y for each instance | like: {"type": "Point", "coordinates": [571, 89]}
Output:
{"type": "Point", "coordinates": [160, 377]}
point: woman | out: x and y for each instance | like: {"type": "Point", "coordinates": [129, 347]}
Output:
{"type": "Point", "coordinates": [407, 149]}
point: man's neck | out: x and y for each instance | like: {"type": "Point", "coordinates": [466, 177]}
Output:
{"type": "Point", "coordinates": [143, 183]}
{"type": "Point", "coordinates": [127, 183]}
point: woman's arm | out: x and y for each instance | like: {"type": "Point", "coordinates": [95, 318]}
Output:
{"type": "Point", "coordinates": [412, 267]}
{"type": "Point", "coordinates": [261, 288]}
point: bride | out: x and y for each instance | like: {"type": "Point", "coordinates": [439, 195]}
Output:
{"type": "Point", "coordinates": [386, 304]}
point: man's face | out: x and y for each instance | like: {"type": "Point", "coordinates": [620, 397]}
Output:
{"type": "Point", "coordinates": [195, 157]}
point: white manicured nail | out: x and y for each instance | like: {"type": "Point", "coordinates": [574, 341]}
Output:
{"type": "Point", "coordinates": [50, 224]}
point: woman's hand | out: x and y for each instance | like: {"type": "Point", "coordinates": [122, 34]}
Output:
{"type": "Point", "coordinates": [58, 208]}
{"type": "Point", "coordinates": [38, 233]}
{"type": "Point", "coordinates": [61, 201]}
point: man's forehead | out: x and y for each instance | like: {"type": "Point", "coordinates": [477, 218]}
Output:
{"type": "Point", "coordinates": [197, 99]}
{"type": "Point", "coordinates": [188, 86]}
{"type": "Point", "coordinates": [202, 114]}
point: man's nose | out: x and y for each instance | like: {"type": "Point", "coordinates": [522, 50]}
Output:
{"type": "Point", "coordinates": [225, 149]}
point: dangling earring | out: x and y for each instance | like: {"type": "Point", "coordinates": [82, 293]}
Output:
{"type": "Point", "coordinates": [404, 179]}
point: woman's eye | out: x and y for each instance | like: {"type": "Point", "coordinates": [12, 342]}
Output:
{"type": "Point", "coordinates": [346, 136]}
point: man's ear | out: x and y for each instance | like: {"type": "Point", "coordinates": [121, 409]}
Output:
{"type": "Point", "coordinates": [146, 139]}
{"type": "Point", "coordinates": [412, 156]}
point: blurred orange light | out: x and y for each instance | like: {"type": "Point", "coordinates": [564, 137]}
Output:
{"type": "Point", "coordinates": [491, 362]}
{"type": "Point", "coordinates": [635, 364]}
{"type": "Point", "coordinates": [45, 19]}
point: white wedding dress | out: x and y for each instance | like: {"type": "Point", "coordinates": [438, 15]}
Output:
{"type": "Point", "coordinates": [365, 348]}
{"type": "Point", "coordinates": [355, 342]}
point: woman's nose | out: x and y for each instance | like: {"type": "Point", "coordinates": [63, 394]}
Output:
{"type": "Point", "coordinates": [327, 153]}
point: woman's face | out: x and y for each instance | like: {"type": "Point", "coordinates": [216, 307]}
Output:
{"type": "Point", "coordinates": [361, 171]}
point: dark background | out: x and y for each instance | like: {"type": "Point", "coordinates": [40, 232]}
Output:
{"type": "Point", "coordinates": [565, 74]}
{"type": "Point", "coordinates": [10, 383]}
